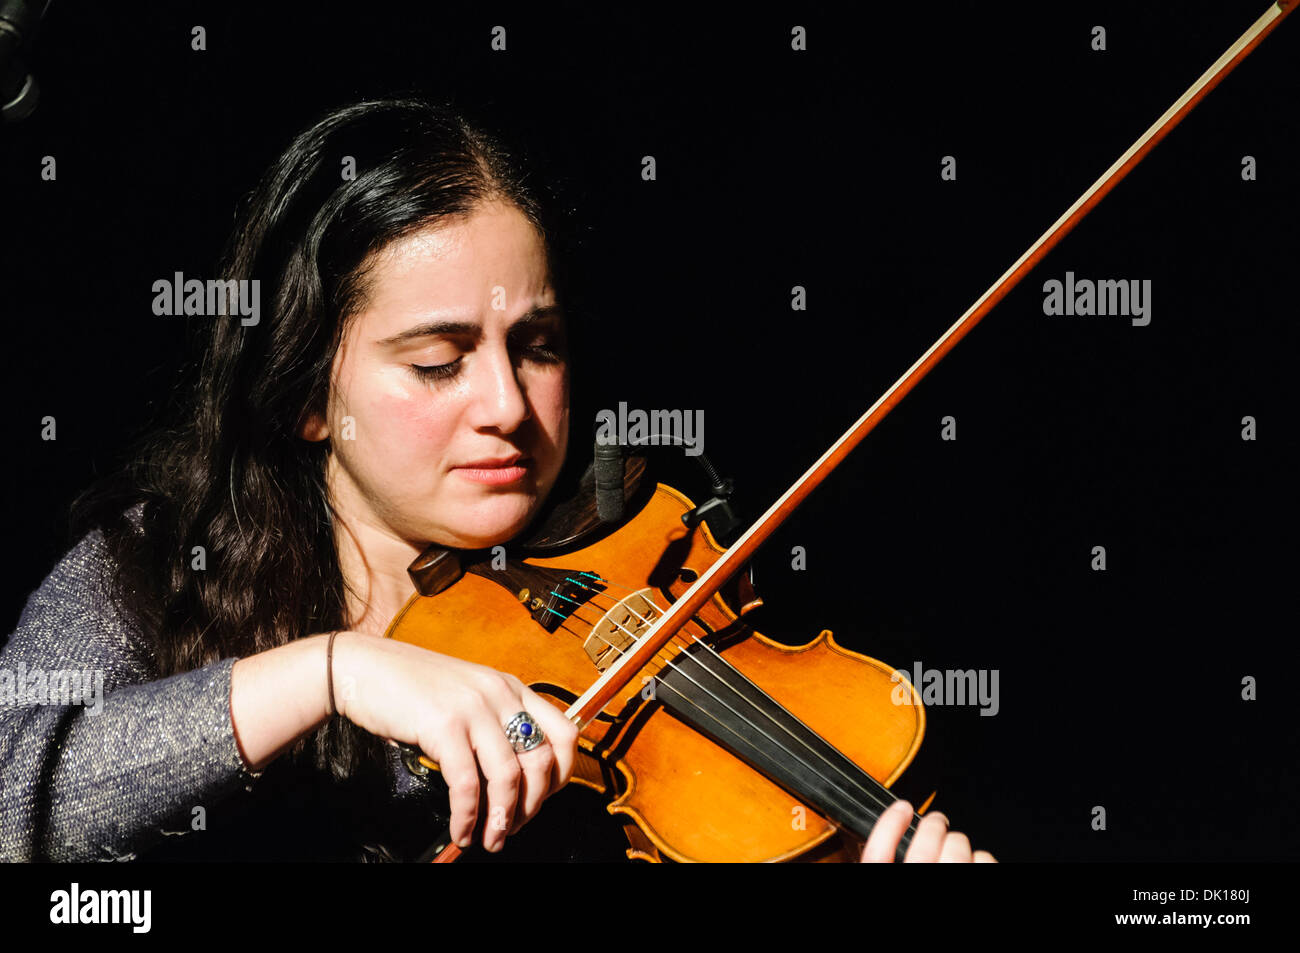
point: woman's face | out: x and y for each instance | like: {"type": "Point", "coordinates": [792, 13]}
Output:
{"type": "Point", "coordinates": [448, 408]}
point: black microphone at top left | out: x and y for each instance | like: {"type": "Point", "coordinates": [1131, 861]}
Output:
{"type": "Point", "coordinates": [19, 92]}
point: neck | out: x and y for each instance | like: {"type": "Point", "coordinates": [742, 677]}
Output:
{"type": "Point", "coordinates": [374, 571]}
{"type": "Point", "coordinates": [373, 559]}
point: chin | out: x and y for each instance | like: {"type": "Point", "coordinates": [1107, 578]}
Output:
{"type": "Point", "coordinates": [491, 523]}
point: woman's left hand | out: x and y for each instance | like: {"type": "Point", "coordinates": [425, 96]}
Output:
{"type": "Point", "coordinates": [932, 841]}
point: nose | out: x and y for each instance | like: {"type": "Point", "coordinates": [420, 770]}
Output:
{"type": "Point", "coordinates": [499, 400]}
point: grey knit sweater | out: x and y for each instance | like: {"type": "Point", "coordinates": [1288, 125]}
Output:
{"type": "Point", "coordinates": [150, 767]}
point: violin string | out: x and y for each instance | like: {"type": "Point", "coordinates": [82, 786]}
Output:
{"type": "Point", "coordinates": [710, 649]}
{"type": "Point", "coordinates": [669, 664]}
{"type": "Point", "coordinates": [723, 727]}
{"type": "Point", "coordinates": [705, 645]}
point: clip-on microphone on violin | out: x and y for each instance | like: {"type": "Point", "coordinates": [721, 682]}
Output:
{"type": "Point", "coordinates": [716, 511]}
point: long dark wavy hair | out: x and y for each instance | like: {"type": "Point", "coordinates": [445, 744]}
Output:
{"type": "Point", "coordinates": [230, 472]}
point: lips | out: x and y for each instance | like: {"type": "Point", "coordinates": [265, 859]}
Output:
{"type": "Point", "coordinates": [488, 463]}
{"type": "Point", "coordinates": [495, 471]}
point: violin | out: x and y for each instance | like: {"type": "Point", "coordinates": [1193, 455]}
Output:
{"type": "Point", "coordinates": [701, 762]}
{"type": "Point", "coordinates": [713, 742]}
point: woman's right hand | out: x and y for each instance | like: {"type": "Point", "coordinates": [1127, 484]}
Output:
{"type": "Point", "coordinates": [452, 710]}
{"type": "Point", "coordinates": [455, 712]}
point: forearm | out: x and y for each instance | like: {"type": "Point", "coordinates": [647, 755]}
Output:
{"type": "Point", "coordinates": [77, 785]}
{"type": "Point", "coordinates": [278, 696]}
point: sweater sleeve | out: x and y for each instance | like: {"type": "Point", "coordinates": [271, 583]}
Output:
{"type": "Point", "coordinates": [98, 756]}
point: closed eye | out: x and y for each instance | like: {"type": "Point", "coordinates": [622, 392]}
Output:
{"type": "Point", "coordinates": [437, 372]}
{"type": "Point", "coordinates": [542, 354]}
{"type": "Point", "coordinates": [544, 348]}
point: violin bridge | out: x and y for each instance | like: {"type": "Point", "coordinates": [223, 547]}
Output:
{"type": "Point", "coordinates": [619, 628]}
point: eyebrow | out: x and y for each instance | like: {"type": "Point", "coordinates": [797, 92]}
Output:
{"type": "Point", "coordinates": [432, 328]}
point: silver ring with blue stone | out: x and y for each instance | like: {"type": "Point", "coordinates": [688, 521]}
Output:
{"type": "Point", "coordinates": [523, 733]}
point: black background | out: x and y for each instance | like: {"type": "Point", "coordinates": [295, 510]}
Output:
{"type": "Point", "coordinates": [775, 168]}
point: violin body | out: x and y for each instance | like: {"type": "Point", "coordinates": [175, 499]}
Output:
{"type": "Point", "coordinates": [683, 795]}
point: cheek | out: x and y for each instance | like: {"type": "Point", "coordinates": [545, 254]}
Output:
{"type": "Point", "coordinates": [400, 427]}
{"type": "Point", "coordinates": [550, 399]}
{"type": "Point", "coordinates": [417, 426]}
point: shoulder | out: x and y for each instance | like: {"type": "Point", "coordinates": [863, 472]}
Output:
{"type": "Point", "coordinates": [75, 613]}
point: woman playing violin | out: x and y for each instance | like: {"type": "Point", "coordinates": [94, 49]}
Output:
{"type": "Point", "coordinates": [408, 383]}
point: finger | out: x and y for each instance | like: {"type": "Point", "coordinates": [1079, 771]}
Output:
{"type": "Point", "coordinates": [984, 857]}
{"type": "Point", "coordinates": [888, 830]}
{"type": "Point", "coordinates": [559, 731]}
{"type": "Point", "coordinates": [456, 762]}
{"type": "Point", "coordinates": [539, 767]}
{"type": "Point", "coordinates": [497, 761]}
{"type": "Point", "coordinates": [927, 840]}
{"type": "Point", "coordinates": [956, 849]}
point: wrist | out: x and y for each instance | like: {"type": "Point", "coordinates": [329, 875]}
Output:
{"type": "Point", "coordinates": [342, 671]}
{"type": "Point", "coordinates": [314, 668]}
{"type": "Point", "coordinates": [276, 697]}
